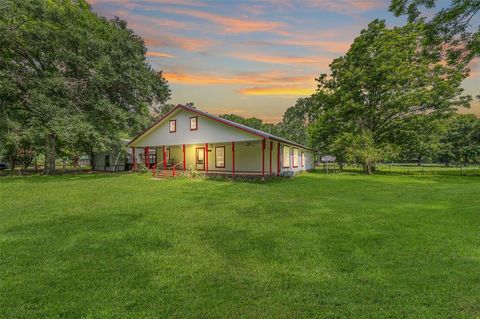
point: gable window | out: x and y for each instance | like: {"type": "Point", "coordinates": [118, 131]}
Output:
{"type": "Point", "coordinates": [220, 156]}
{"type": "Point", "coordinates": [194, 123]}
{"type": "Point", "coordinates": [303, 159]}
{"type": "Point", "coordinates": [295, 157]}
{"type": "Point", "coordinates": [286, 156]}
{"type": "Point", "coordinates": [173, 126]}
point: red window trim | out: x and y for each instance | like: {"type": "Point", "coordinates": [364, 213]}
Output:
{"type": "Point", "coordinates": [283, 155]}
{"type": "Point", "coordinates": [169, 126]}
{"type": "Point", "coordinates": [223, 156]}
{"type": "Point", "coordinates": [293, 157]}
{"type": "Point", "coordinates": [196, 123]}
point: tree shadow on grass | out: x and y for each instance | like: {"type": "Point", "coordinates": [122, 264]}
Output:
{"type": "Point", "coordinates": [74, 266]}
{"type": "Point", "coordinates": [41, 179]}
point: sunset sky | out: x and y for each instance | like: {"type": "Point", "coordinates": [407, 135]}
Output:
{"type": "Point", "coordinates": [251, 58]}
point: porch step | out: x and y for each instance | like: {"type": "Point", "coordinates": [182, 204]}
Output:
{"type": "Point", "coordinates": [164, 174]}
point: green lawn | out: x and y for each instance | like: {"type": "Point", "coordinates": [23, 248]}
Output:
{"type": "Point", "coordinates": [324, 246]}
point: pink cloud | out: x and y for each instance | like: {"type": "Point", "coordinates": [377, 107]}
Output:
{"type": "Point", "coordinates": [230, 24]}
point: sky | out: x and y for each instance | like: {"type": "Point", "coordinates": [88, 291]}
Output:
{"type": "Point", "coordinates": [246, 57]}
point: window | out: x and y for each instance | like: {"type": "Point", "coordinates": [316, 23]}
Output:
{"type": "Point", "coordinates": [194, 123]}
{"type": "Point", "coordinates": [303, 159]}
{"type": "Point", "coordinates": [173, 126]}
{"type": "Point", "coordinates": [286, 156]}
{"type": "Point", "coordinates": [295, 157]}
{"type": "Point", "coordinates": [220, 156]}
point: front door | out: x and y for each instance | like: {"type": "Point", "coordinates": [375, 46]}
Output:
{"type": "Point", "coordinates": [200, 158]}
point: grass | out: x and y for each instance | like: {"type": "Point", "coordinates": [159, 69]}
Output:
{"type": "Point", "coordinates": [323, 246]}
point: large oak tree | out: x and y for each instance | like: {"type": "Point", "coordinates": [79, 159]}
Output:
{"type": "Point", "coordinates": [74, 78]}
{"type": "Point", "coordinates": [382, 80]}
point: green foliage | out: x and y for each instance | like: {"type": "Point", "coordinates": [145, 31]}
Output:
{"type": "Point", "coordinates": [461, 141]}
{"type": "Point", "coordinates": [382, 81]}
{"type": "Point", "coordinates": [358, 148]}
{"type": "Point", "coordinates": [419, 137]}
{"type": "Point", "coordinates": [77, 80]}
{"type": "Point", "coordinates": [296, 119]}
{"type": "Point", "coordinates": [252, 122]}
{"type": "Point", "coordinates": [452, 27]}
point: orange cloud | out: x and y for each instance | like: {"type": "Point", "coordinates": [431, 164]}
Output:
{"type": "Point", "coordinates": [319, 60]}
{"type": "Point", "coordinates": [230, 24]}
{"type": "Point", "coordinates": [172, 41]}
{"type": "Point", "coordinates": [278, 90]}
{"type": "Point", "coordinates": [266, 78]}
{"type": "Point", "coordinates": [159, 55]}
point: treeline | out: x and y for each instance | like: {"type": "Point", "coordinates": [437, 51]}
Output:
{"type": "Point", "coordinates": [71, 82]}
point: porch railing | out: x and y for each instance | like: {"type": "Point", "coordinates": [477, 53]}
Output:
{"type": "Point", "coordinates": [154, 168]}
{"type": "Point", "coordinates": [174, 166]}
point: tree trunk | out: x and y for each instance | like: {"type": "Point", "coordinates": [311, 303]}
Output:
{"type": "Point", "coordinates": [419, 161]}
{"type": "Point", "coordinates": [12, 164]}
{"type": "Point", "coordinates": [367, 168]}
{"type": "Point", "coordinates": [92, 160]}
{"type": "Point", "coordinates": [50, 155]}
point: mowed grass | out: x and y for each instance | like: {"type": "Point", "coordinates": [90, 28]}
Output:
{"type": "Point", "coordinates": [318, 246]}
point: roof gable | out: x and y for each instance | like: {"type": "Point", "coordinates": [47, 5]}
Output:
{"type": "Point", "coordinates": [231, 131]}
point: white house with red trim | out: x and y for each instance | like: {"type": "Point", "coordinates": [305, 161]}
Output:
{"type": "Point", "coordinates": [187, 138]}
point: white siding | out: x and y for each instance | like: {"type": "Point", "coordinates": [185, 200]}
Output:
{"type": "Point", "coordinates": [209, 131]}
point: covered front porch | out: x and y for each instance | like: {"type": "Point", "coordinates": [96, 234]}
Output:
{"type": "Point", "coordinates": [255, 157]}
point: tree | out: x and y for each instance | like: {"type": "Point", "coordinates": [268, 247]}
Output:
{"type": "Point", "coordinates": [294, 125]}
{"type": "Point", "coordinates": [451, 27]}
{"type": "Point", "coordinates": [382, 81]}
{"type": "Point", "coordinates": [461, 141]}
{"type": "Point", "coordinates": [358, 148]}
{"type": "Point", "coordinates": [419, 137]}
{"type": "Point", "coordinates": [73, 76]}
{"type": "Point", "coordinates": [252, 122]}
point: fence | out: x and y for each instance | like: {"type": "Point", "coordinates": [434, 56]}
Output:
{"type": "Point", "coordinates": [411, 169]}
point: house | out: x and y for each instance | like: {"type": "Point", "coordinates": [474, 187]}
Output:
{"type": "Point", "coordinates": [116, 160]}
{"type": "Point", "coordinates": [188, 139]}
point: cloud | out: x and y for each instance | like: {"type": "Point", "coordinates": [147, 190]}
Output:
{"type": "Point", "coordinates": [179, 42]}
{"type": "Point", "coordinates": [276, 59]}
{"type": "Point", "coordinates": [154, 54]}
{"type": "Point", "coordinates": [248, 78]}
{"type": "Point", "coordinates": [338, 6]}
{"type": "Point", "coordinates": [278, 90]}
{"type": "Point", "coordinates": [230, 24]}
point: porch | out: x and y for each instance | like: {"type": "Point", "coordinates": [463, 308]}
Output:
{"type": "Point", "coordinates": [255, 157]}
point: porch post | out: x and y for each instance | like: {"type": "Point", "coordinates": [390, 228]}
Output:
{"type": "Point", "coordinates": [134, 159]}
{"type": "Point", "coordinates": [233, 159]}
{"type": "Point", "coordinates": [206, 157]}
{"type": "Point", "coordinates": [271, 146]}
{"type": "Point", "coordinates": [263, 158]}
{"type": "Point", "coordinates": [184, 165]}
{"type": "Point", "coordinates": [164, 159]}
{"type": "Point", "coordinates": [147, 157]}
{"type": "Point", "coordinates": [278, 159]}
